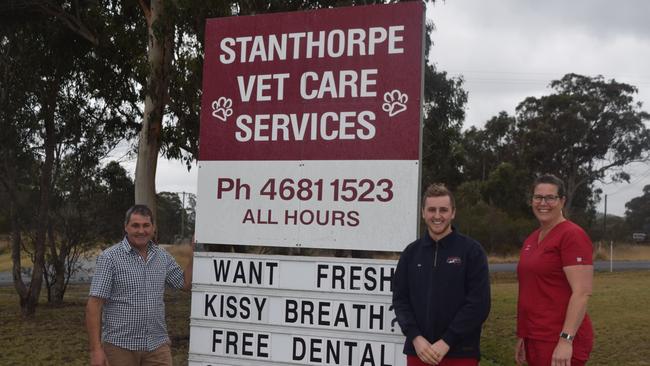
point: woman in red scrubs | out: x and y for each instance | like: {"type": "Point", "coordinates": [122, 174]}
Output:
{"type": "Point", "coordinates": [555, 274]}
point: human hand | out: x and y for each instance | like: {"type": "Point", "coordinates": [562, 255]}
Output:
{"type": "Point", "coordinates": [562, 353]}
{"type": "Point", "coordinates": [98, 358]}
{"type": "Point", "coordinates": [440, 349]}
{"type": "Point", "coordinates": [520, 352]}
{"type": "Point", "coordinates": [423, 350]}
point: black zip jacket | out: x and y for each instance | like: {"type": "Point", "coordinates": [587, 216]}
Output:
{"type": "Point", "coordinates": [441, 290]}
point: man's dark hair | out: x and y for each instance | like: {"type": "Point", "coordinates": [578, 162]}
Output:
{"type": "Point", "coordinates": [438, 190]}
{"type": "Point", "coordinates": [140, 210]}
{"type": "Point", "coordinates": [550, 179]}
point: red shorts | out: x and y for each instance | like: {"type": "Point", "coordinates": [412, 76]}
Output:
{"type": "Point", "coordinates": [415, 361]}
{"type": "Point", "coordinates": [540, 353]}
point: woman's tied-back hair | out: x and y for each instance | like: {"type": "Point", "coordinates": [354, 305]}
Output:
{"type": "Point", "coordinates": [438, 190]}
{"type": "Point", "coordinates": [550, 179]}
{"type": "Point", "coordinates": [142, 210]}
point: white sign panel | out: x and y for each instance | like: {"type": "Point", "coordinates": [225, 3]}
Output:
{"type": "Point", "coordinates": [323, 204]}
{"type": "Point", "coordinates": [278, 310]}
{"type": "Point", "coordinates": [231, 346]}
{"type": "Point", "coordinates": [294, 273]}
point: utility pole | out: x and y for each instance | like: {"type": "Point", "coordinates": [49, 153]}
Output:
{"type": "Point", "coordinates": [183, 217]}
{"type": "Point", "coordinates": [605, 220]}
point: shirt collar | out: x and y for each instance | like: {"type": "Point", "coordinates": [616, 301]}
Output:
{"type": "Point", "coordinates": [129, 249]}
{"type": "Point", "coordinates": [447, 238]}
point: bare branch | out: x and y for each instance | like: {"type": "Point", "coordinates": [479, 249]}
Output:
{"type": "Point", "coordinates": [74, 22]}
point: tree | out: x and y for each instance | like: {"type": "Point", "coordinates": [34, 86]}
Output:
{"type": "Point", "coordinates": [589, 129]}
{"type": "Point", "coordinates": [504, 189]}
{"type": "Point", "coordinates": [118, 188]}
{"type": "Point", "coordinates": [169, 37]}
{"type": "Point", "coordinates": [444, 113]}
{"type": "Point", "coordinates": [637, 211]}
{"type": "Point", "coordinates": [176, 217]}
{"type": "Point", "coordinates": [51, 113]}
{"type": "Point", "coordinates": [499, 231]}
{"type": "Point", "coordinates": [485, 149]}
{"type": "Point", "coordinates": [28, 137]}
{"type": "Point", "coordinates": [170, 217]}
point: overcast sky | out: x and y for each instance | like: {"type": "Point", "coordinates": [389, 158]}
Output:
{"type": "Point", "coordinates": [510, 49]}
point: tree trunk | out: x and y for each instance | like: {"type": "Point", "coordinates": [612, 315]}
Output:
{"type": "Point", "coordinates": [570, 185]}
{"type": "Point", "coordinates": [159, 55]}
{"type": "Point", "coordinates": [57, 286]}
{"type": "Point", "coordinates": [16, 239]}
{"type": "Point", "coordinates": [29, 300]}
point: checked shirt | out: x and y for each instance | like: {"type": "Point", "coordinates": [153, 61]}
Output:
{"type": "Point", "coordinates": [133, 314]}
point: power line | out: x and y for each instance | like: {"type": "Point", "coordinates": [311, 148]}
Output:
{"type": "Point", "coordinates": [483, 76]}
{"type": "Point", "coordinates": [633, 183]}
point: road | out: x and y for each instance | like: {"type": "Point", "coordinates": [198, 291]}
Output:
{"type": "Point", "coordinates": [600, 266]}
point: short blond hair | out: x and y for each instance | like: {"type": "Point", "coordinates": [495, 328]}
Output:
{"type": "Point", "coordinates": [438, 190]}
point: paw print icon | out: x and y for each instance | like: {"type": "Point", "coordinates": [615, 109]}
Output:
{"type": "Point", "coordinates": [222, 108]}
{"type": "Point", "coordinates": [395, 102]}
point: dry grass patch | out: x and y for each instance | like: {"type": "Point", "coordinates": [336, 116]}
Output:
{"type": "Point", "coordinates": [181, 252]}
{"type": "Point", "coordinates": [5, 256]}
{"type": "Point", "coordinates": [495, 259]}
{"type": "Point", "coordinates": [622, 252]}
{"type": "Point", "coordinates": [57, 335]}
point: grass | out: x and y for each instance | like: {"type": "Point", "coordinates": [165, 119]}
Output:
{"type": "Point", "coordinates": [619, 310]}
{"type": "Point", "coordinates": [622, 252]}
{"type": "Point", "coordinates": [56, 335]}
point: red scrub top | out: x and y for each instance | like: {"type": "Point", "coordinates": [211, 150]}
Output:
{"type": "Point", "coordinates": [544, 290]}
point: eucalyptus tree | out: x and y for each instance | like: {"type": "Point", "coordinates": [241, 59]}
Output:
{"type": "Point", "coordinates": [52, 111]}
{"type": "Point", "coordinates": [589, 129]}
{"type": "Point", "coordinates": [637, 212]}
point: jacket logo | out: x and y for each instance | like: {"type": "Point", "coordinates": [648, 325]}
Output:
{"type": "Point", "coordinates": [453, 260]}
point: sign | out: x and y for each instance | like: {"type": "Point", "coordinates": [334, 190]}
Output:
{"type": "Point", "coordinates": [310, 128]}
{"type": "Point", "coordinates": [278, 310]}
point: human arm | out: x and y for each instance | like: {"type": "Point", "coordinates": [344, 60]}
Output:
{"type": "Point", "coordinates": [476, 305]}
{"type": "Point", "coordinates": [402, 306]}
{"type": "Point", "coordinates": [178, 277]}
{"type": "Point", "coordinates": [580, 278]}
{"type": "Point", "coordinates": [187, 273]}
{"type": "Point", "coordinates": [520, 352]}
{"type": "Point", "coordinates": [93, 327]}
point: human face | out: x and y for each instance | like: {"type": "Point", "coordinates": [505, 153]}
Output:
{"type": "Point", "coordinates": [139, 231]}
{"type": "Point", "coordinates": [438, 214]}
{"type": "Point", "coordinates": [546, 211]}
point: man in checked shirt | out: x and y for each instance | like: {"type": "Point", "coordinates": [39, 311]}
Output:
{"type": "Point", "coordinates": [126, 297]}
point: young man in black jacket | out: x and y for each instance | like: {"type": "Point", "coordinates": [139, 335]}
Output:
{"type": "Point", "coordinates": [441, 289]}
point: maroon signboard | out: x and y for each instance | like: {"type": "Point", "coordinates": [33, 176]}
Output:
{"type": "Point", "coordinates": [335, 84]}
